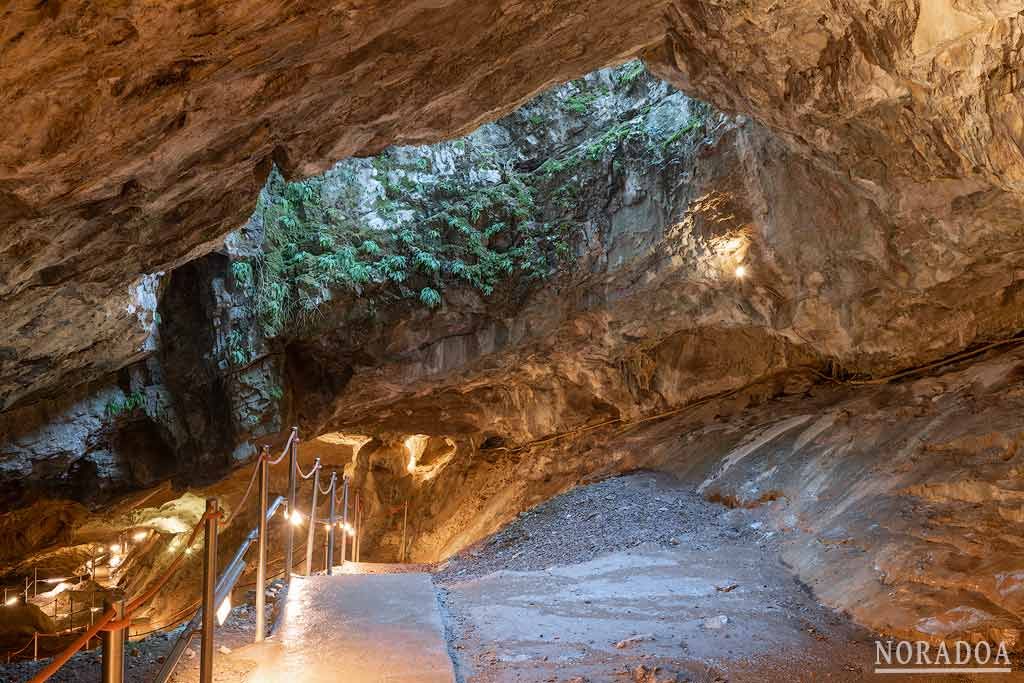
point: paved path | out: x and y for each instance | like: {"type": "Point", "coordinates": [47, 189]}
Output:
{"type": "Point", "coordinates": [356, 628]}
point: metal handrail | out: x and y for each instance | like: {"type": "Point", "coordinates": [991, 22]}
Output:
{"type": "Point", "coordinates": [225, 584]}
{"type": "Point", "coordinates": [113, 625]}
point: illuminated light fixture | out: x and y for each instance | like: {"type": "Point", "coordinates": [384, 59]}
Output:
{"type": "Point", "coordinates": [58, 580]}
{"type": "Point", "coordinates": [327, 527]}
{"type": "Point", "coordinates": [188, 550]}
{"type": "Point", "coordinates": [741, 272]}
{"type": "Point", "coordinates": [115, 560]}
{"type": "Point", "coordinates": [11, 601]}
{"type": "Point", "coordinates": [224, 610]}
{"type": "Point", "coordinates": [295, 517]}
{"type": "Point", "coordinates": [115, 548]}
{"type": "Point", "coordinates": [94, 609]}
{"type": "Point", "coordinates": [348, 528]}
{"type": "Point", "coordinates": [139, 536]}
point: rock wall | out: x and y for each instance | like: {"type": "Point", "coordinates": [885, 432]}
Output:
{"type": "Point", "coordinates": [149, 131]}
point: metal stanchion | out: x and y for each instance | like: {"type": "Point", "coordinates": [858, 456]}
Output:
{"type": "Point", "coordinates": [405, 524]}
{"type": "Point", "coordinates": [261, 548]}
{"type": "Point", "coordinates": [35, 646]}
{"type": "Point", "coordinates": [311, 534]}
{"type": "Point", "coordinates": [209, 582]}
{"type": "Point", "coordinates": [329, 560]}
{"type": "Point", "coordinates": [358, 527]}
{"type": "Point", "coordinates": [344, 518]}
{"type": "Point", "coordinates": [113, 647]}
{"type": "Point", "coordinates": [293, 464]}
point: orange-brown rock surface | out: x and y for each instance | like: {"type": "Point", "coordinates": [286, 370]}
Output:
{"type": "Point", "coordinates": [137, 136]}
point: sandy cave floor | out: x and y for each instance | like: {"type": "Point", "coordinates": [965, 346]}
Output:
{"type": "Point", "coordinates": [635, 578]}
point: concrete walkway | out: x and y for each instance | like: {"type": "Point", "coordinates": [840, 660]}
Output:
{"type": "Point", "coordinates": [357, 628]}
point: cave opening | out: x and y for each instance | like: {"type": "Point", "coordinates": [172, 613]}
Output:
{"type": "Point", "coordinates": [617, 381]}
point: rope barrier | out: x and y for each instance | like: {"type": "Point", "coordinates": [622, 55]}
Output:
{"type": "Point", "coordinates": [324, 492]}
{"type": "Point", "coordinates": [106, 622]}
{"type": "Point", "coordinates": [298, 469]}
{"type": "Point", "coordinates": [226, 522]}
{"type": "Point", "coordinates": [288, 444]}
{"type": "Point", "coordinates": [61, 659]}
{"type": "Point", "coordinates": [22, 649]}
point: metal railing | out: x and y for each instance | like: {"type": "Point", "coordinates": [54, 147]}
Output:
{"type": "Point", "coordinates": [112, 626]}
{"type": "Point", "coordinates": [225, 584]}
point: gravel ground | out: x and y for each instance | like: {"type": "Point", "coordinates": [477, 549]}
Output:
{"type": "Point", "coordinates": [588, 521]}
{"type": "Point", "coordinates": [560, 593]}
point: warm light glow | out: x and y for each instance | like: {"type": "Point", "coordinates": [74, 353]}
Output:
{"type": "Point", "coordinates": [327, 527]}
{"type": "Point", "coordinates": [12, 601]}
{"type": "Point", "coordinates": [115, 548]}
{"type": "Point", "coordinates": [188, 550]}
{"type": "Point", "coordinates": [415, 444]}
{"type": "Point", "coordinates": [296, 517]}
{"type": "Point", "coordinates": [741, 271]}
{"type": "Point", "coordinates": [140, 536]}
{"type": "Point", "coordinates": [732, 245]}
{"type": "Point", "coordinates": [94, 609]}
{"type": "Point", "coordinates": [58, 580]}
{"type": "Point", "coordinates": [224, 610]}
{"type": "Point", "coordinates": [115, 560]}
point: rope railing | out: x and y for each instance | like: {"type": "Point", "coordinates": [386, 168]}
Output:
{"type": "Point", "coordinates": [116, 619]}
{"type": "Point", "coordinates": [307, 475]}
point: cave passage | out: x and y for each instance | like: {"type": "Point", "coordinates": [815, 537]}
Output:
{"type": "Point", "coordinates": [618, 386]}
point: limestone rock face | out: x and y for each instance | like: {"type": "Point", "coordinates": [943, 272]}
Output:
{"type": "Point", "coordinates": [138, 137]}
{"type": "Point", "coordinates": [146, 132]}
{"type": "Point", "coordinates": [867, 176]}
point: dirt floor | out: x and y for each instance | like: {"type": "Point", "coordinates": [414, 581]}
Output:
{"type": "Point", "coordinates": [638, 578]}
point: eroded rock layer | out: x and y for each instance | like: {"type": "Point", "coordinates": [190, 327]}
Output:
{"type": "Point", "coordinates": [855, 213]}
{"type": "Point", "coordinates": [147, 132]}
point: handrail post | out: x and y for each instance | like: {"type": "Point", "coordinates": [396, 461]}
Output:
{"type": "Point", "coordinates": [358, 542]}
{"type": "Point", "coordinates": [261, 548]}
{"type": "Point", "coordinates": [113, 647]}
{"type": "Point", "coordinates": [290, 530]}
{"type": "Point", "coordinates": [209, 585]}
{"type": "Point", "coordinates": [344, 518]}
{"type": "Point", "coordinates": [311, 533]}
{"type": "Point", "coordinates": [329, 560]}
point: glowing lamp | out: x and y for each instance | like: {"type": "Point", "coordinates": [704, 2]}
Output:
{"type": "Point", "coordinates": [115, 548]}
{"type": "Point", "coordinates": [139, 536]}
{"type": "Point", "coordinates": [741, 272]}
{"type": "Point", "coordinates": [11, 601]}
{"type": "Point", "coordinates": [224, 610]}
{"type": "Point", "coordinates": [295, 517]}
{"type": "Point", "coordinates": [115, 560]}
